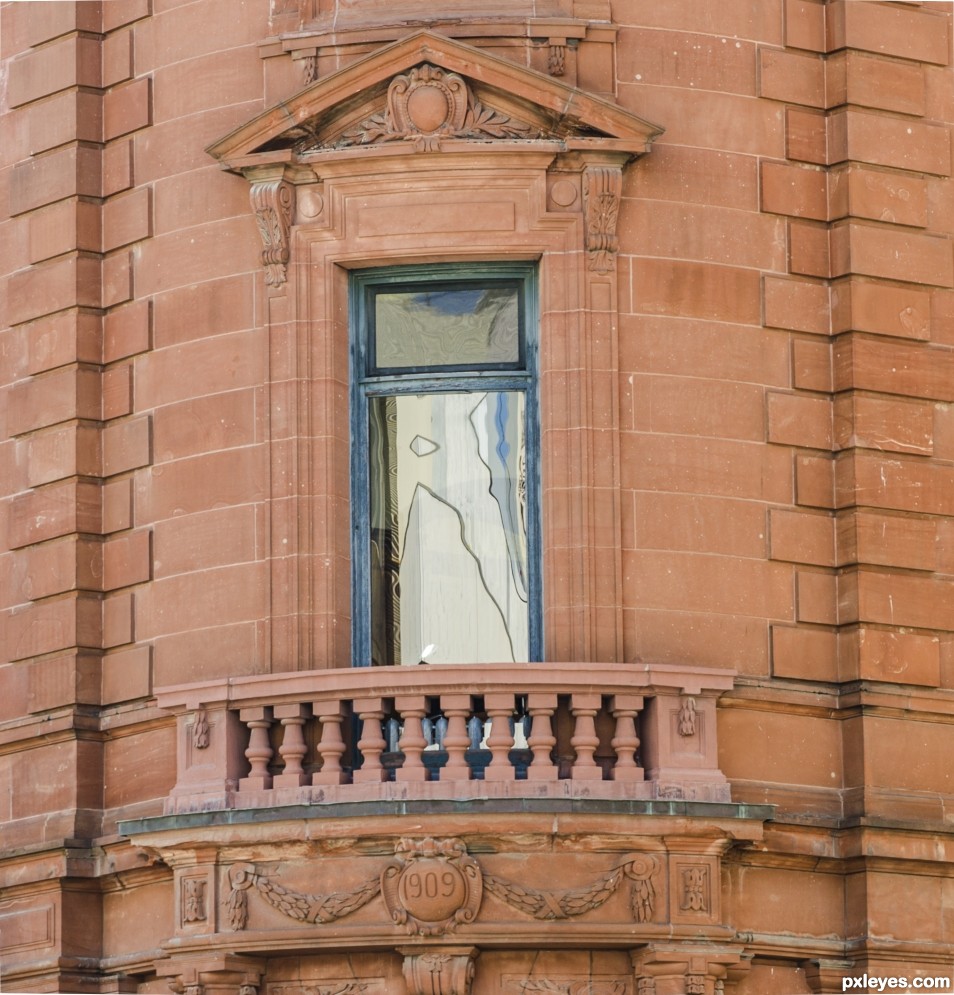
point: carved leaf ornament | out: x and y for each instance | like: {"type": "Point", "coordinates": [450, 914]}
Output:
{"type": "Point", "coordinates": [424, 106]}
{"type": "Point", "coordinates": [433, 886]}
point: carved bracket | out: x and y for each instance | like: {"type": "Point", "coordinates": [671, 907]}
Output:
{"type": "Point", "coordinates": [689, 969]}
{"type": "Point", "coordinates": [216, 972]}
{"type": "Point", "coordinates": [602, 188]}
{"type": "Point", "coordinates": [273, 202]}
{"type": "Point", "coordinates": [441, 971]}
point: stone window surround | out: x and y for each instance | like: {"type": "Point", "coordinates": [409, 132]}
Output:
{"type": "Point", "coordinates": [456, 195]}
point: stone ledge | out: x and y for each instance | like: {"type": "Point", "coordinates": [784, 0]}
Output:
{"type": "Point", "coordinates": [475, 806]}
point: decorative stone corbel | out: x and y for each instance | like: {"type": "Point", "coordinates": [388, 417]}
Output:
{"type": "Point", "coordinates": [224, 973]}
{"type": "Point", "coordinates": [439, 970]}
{"type": "Point", "coordinates": [693, 970]}
{"type": "Point", "coordinates": [273, 201]}
{"type": "Point", "coordinates": [602, 188]}
{"type": "Point", "coordinates": [827, 975]}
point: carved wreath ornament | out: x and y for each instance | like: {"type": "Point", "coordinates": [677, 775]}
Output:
{"type": "Point", "coordinates": [426, 105]}
{"type": "Point", "coordinates": [433, 886]}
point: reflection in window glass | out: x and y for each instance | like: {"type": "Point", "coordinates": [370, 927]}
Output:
{"type": "Point", "coordinates": [447, 327]}
{"type": "Point", "coordinates": [448, 528]}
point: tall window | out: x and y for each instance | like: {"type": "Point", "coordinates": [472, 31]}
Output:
{"type": "Point", "coordinates": [446, 554]}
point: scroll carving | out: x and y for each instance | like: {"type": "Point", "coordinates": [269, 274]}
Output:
{"type": "Point", "coordinates": [426, 105]}
{"type": "Point", "coordinates": [602, 188]}
{"type": "Point", "coordinates": [272, 202]}
{"type": "Point", "coordinates": [433, 886]}
{"type": "Point", "coordinates": [548, 905]}
{"type": "Point", "coordinates": [695, 984]}
{"type": "Point", "coordinates": [294, 904]}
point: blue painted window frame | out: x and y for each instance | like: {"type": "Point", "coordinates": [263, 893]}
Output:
{"type": "Point", "coordinates": [367, 383]}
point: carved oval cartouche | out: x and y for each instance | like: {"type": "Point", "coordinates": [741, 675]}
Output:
{"type": "Point", "coordinates": [427, 107]}
{"type": "Point", "coordinates": [432, 890]}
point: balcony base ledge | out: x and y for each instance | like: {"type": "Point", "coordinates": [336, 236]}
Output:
{"type": "Point", "coordinates": [712, 812]}
{"type": "Point", "coordinates": [705, 787]}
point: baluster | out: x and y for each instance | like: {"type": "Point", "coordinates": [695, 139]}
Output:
{"type": "Point", "coordinates": [500, 741]}
{"type": "Point", "coordinates": [475, 729]}
{"type": "Point", "coordinates": [427, 728]}
{"type": "Point", "coordinates": [584, 740]}
{"type": "Point", "coordinates": [519, 727]}
{"type": "Point", "coordinates": [456, 740]}
{"type": "Point", "coordinates": [372, 742]}
{"type": "Point", "coordinates": [331, 746]}
{"type": "Point", "coordinates": [393, 734]}
{"type": "Point", "coordinates": [413, 708]}
{"type": "Point", "coordinates": [259, 752]}
{"type": "Point", "coordinates": [625, 708]}
{"type": "Point", "coordinates": [293, 748]}
{"type": "Point", "coordinates": [541, 740]}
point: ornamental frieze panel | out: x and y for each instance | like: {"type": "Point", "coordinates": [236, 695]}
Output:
{"type": "Point", "coordinates": [330, 986]}
{"type": "Point", "coordinates": [423, 106]}
{"type": "Point", "coordinates": [569, 986]}
{"type": "Point", "coordinates": [435, 888]}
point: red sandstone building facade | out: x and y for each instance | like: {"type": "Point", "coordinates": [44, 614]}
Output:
{"type": "Point", "coordinates": [476, 496]}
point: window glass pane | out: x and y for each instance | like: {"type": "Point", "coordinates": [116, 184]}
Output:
{"type": "Point", "coordinates": [462, 326]}
{"type": "Point", "coordinates": [448, 528]}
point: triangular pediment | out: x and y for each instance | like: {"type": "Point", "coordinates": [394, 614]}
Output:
{"type": "Point", "coordinates": [428, 90]}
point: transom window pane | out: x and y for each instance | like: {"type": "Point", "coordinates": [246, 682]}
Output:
{"type": "Point", "coordinates": [475, 326]}
{"type": "Point", "coordinates": [448, 550]}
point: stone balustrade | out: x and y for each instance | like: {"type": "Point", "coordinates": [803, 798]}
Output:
{"type": "Point", "coordinates": [624, 731]}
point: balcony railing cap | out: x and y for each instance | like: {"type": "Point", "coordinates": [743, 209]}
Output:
{"type": "Point", "coordinates": [439, 679]}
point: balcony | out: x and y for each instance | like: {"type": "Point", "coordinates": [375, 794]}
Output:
{"type": "Point", "coordinates": [557, 731]}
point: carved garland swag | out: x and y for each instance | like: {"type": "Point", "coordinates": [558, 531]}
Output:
{"type": "Point", "coordinates": [433, 886]}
